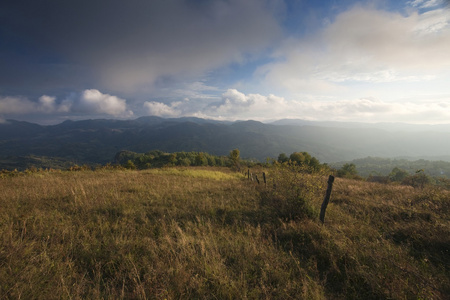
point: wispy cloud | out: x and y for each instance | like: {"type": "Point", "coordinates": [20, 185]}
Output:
{"type": "Point", "coordinates": [425, 3]}
{"type": "Point", "coordinates": [20, 105]}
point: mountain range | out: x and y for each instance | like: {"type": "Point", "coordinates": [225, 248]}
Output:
{"type": "Point", "coordinates": [97, 141]}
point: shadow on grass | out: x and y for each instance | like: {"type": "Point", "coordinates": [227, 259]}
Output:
{"type": "Point", "coordinates": [321, 258]}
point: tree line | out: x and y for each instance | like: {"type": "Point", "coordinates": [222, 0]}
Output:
{"type": "Point", "coordinates": [308, 163]}
{"type": "Point", "coordinates": [158, 159]}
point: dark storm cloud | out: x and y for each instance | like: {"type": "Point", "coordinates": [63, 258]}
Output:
{"type": "Point", "coordinates": [122, 45]}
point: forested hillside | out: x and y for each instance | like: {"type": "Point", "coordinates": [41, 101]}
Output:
{"type": "Point", "coordinates": [97, 141]}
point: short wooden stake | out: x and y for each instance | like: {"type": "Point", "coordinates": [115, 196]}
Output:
{"type": "Point", "coordinates": [327, 198]}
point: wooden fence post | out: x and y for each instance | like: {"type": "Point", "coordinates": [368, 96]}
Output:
{"type": "Point", "coordinates": [264, 177]}
{"type": "Point", "coordinates": [248, 174]}
{"type": "Point", "coordinates": [327, 198]}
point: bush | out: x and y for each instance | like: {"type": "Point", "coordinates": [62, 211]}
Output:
{"type": "Point", "coordinates": [418, 180]}
{"type": "Point", "coordinates": [130, 165]}
{"type": "Point", "coordinates": [348, 171]}
{"type": "Point", "coordinates": [293, 192]}
{"type": "Point", "coordinates": [398, 174]}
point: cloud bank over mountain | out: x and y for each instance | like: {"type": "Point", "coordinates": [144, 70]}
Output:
{"type": "Point", "coordinates": [334, 60]}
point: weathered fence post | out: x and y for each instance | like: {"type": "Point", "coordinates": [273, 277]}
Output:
{"type": "Point", "coordinates": [256, 177]}
{"type": "Point", "coordinates": [264, 177]}
{"type": "Point", "coordinates": [327, 198]}
{"type": "Point", "coordinates": [248, 174]}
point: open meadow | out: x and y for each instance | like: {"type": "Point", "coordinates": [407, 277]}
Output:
{"type": "Point", "coordinates": [210, 233]}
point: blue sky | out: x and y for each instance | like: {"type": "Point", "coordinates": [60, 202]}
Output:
{"type": "Point", "coordinates": [341, 60]}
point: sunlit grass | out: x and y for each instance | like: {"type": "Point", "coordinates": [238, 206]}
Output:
{"type": "Point", "coordinates": [190, 233]}
{"type": "Point", "coordinates": [208, 173]}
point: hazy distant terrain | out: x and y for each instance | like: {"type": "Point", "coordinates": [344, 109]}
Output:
{"type": "Point", "coordinates": [97, 141]}
{"type": "Point", "coordinates": [392, 127]}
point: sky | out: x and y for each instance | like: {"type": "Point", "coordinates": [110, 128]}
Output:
{"type": "Point", "coordinates": [325, 60]}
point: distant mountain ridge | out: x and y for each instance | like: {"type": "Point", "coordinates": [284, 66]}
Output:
{"type": "Point", "coordinates": [97, 141]}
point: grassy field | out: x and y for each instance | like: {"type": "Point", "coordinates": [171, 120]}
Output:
{"type": "Point", "coordinates": [205, 233]}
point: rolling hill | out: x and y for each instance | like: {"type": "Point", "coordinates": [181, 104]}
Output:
{"type": "Point", "coordinates": [97, 141]}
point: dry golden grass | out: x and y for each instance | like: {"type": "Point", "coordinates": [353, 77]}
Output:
{"type": "Point", "coordinates": [208, 233]}
{"type": "Point", "coordinates": [399, 235]}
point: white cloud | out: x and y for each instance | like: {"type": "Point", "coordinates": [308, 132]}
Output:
{"type": "Point", "coordinates": [65, 106]}
{"type": "Point", "coordinates": [159, 109]}
{"type": "Point", "coordinates": [231, 106]}
{"type": "Point", "coordinates": [363, 45]}
{"type": "Point", "coordinates": [93, 101]}
{"type": "Point", "coordinates": [236, 105]}
{"type": "Point", "coordinates": [47, 103]}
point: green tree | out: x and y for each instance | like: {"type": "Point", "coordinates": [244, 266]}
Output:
{"type": "Point", "coordinates": [173, 159]}
{"type": "Point", "coordinates": [185, 162]}
{"type": "Point", "coordinates": [302, 158]}
{"type": "Point", "coordinates": [220, 161]}
{"type": "Point", "coordinates": [201, 160]}
{"type": "Point", "coordinates": [314, 163]}
{"type": "Point", "coordinates": [130, 165]}
{"type": "Point", "coordinates": [418, 180]}
{"type": "Point", "coordinates": [282, 158]}
{"type": "Point", "coordinates": [235, 158]}
{"type": "Point", "coordinates": [211, 160]}
{"type": "Point", "coordinates": [347, 171]}
{"type": "Point", "coordinates": [305, 159]}
{"type": "Point", "coordinates": [297, 158]}
{"type": "Point", "coordinates": [398, 174]}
